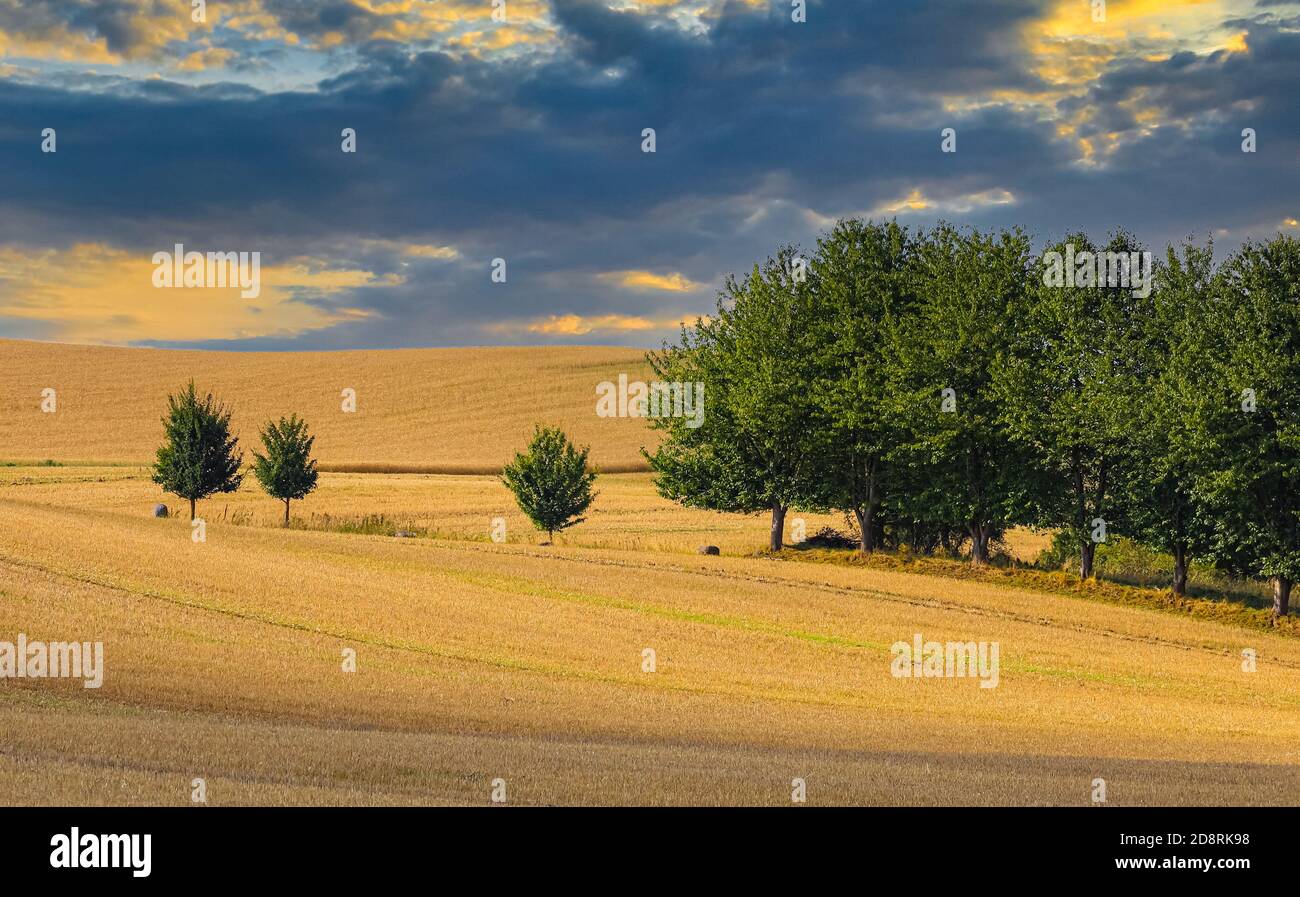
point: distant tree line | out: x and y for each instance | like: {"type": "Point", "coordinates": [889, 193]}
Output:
{"type": "Point", "coordinates": [941, 386]}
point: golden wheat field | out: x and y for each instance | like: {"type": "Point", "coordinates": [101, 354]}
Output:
{"type": "Point", "coordinates": [523, 662]}
{"type": "Point", "coordinates": [435, 409]}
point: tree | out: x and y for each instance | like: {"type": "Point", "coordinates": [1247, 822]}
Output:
{"type": "Point", "coordinates": [1070, 384]}
{"type": "Point", "coordinates": [287, 471]}
{"type": "Point", "coordinates": [756, 448]}
{"type": "Point", "coordinates": [1255, 486]}
{"type": "Point", "coordinates": [550, 481]}
{"type": "Point", "coordinates": [200, 456]}
{"type": "Point", "coordinates": [861, 272]}
{"type": "Point", "coordinates": [968, 474]}
{"type": "Point", "coordinates": [1176, 422]}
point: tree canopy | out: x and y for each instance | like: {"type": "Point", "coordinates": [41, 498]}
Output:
{"type": "Point", "coordinates": [941, 386]}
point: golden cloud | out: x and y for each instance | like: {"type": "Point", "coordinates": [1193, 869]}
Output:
{"type": "Point", "coordinates": [672, 282]}
{"type": "Point", "coordinates": [146, 28]}
{"type": "Point", "coordinates": [581, 325]}
{"type": "Point", "coordinates": [150, 29]}
{"type": "Point", "coordinates": [431, 252]}
{"type": "Point", "coordinates": [1070, 49]}
{"type": "Point", "coordinates": [201, 60]}
{"type": "Point", "coordinates": [100, 294]}
{"type": "Point", "coordinates": [917, 201]}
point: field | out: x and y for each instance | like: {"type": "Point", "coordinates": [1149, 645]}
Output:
{"type": "Point", "coordinates": [432, 409]}
{"type": "Point", "coordinates": [478, 661]}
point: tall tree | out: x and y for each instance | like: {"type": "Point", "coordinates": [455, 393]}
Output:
{"type": "Point", "coordinates": [968, 473]}
{"type": "Point", "coordinates": [1255, 487]}
{"type": "Point", "coordinates": [200, 457]}
{"type": "Point", "coordinates": [1175, 421]}
{"type": "Point", "coordinates": [1071, 382]}
{"type": "Point", "coordinates": [551, 481]}
{"type": "Point", "coordinates": [755, 449]}
{"type": "Point", "coordinates": [287, 471]}
{"type": "Point", "coordinates": [861, 272]}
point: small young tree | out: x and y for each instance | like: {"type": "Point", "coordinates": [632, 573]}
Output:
{"type": "Point", "coordinates": [287, 471]}
{"type": "Point", "coordinates": [551, 481]}
{"type": "Point", "coordinates": [200, 456]}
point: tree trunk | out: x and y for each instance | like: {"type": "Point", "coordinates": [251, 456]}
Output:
{"type": "Point", "coordinates": [192, 508]}
{"type": "Point", "coordinates": [1281, 596]}
{"type": "Point", "coordinates": [866, 528]}
{"type": "Point", "coordinates": [1180, 569]}
{"type": "Point", "coordinates": [1087, 552]}
{"type": "Point", "coordinates": [286, 512]}
{"type": "Point", "coordinates": [979, 544]}
{"type": "Point", "coordinates": [868, 524]}
{"type": "Point", "coordinates": [778, 527]}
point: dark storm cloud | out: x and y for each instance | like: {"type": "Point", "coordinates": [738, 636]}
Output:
{"type": "Point", "coordinates": [1189, 174]}
{"type": "Point", "coordinates": [760, 122]}
{"type": "Point", "coordinates": [314, 18]}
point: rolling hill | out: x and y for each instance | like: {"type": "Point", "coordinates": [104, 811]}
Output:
{"type": "Point", "coordinates": [453, 410]}
{"type": "Point", "coordinates": [517, 661]}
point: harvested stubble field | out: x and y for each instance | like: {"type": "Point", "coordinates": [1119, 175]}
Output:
{"type": "Point", "coordinates": [522, 661]}
{"type": "Point", "coordinates": [459, 410]}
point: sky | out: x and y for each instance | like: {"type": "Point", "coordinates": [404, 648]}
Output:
{"type": "Point", "coordinates": [514, 130]}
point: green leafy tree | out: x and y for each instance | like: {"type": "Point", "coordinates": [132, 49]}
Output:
{"type": "Point", "coordinates": [1069, 387]}
{"type": "Point", "coordinates": [861, 272]}
{"type": "Point", "coordinates": [1254, 488]}
{"type": "Point", "coordinates": [756, 448]}
{"type": "Point", "coordinates": [200, 457]}
{"type": "Point", "coordinates": [287, 471]}
{"type": "Point", "coordinates": [550, 481]}
{"type": "Point", "coordinates": [967, 474]}
{"type": "Point", "coordinates": [1177, 421]}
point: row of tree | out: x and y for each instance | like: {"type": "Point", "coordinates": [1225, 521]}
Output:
{"type": "Point", "coordinates": [200, 457]}
{"type": "Point", "coordinates": [942, 386]}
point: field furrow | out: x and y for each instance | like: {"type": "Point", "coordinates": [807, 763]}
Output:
{"type": "Point", "coordinates": [478, 660]}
